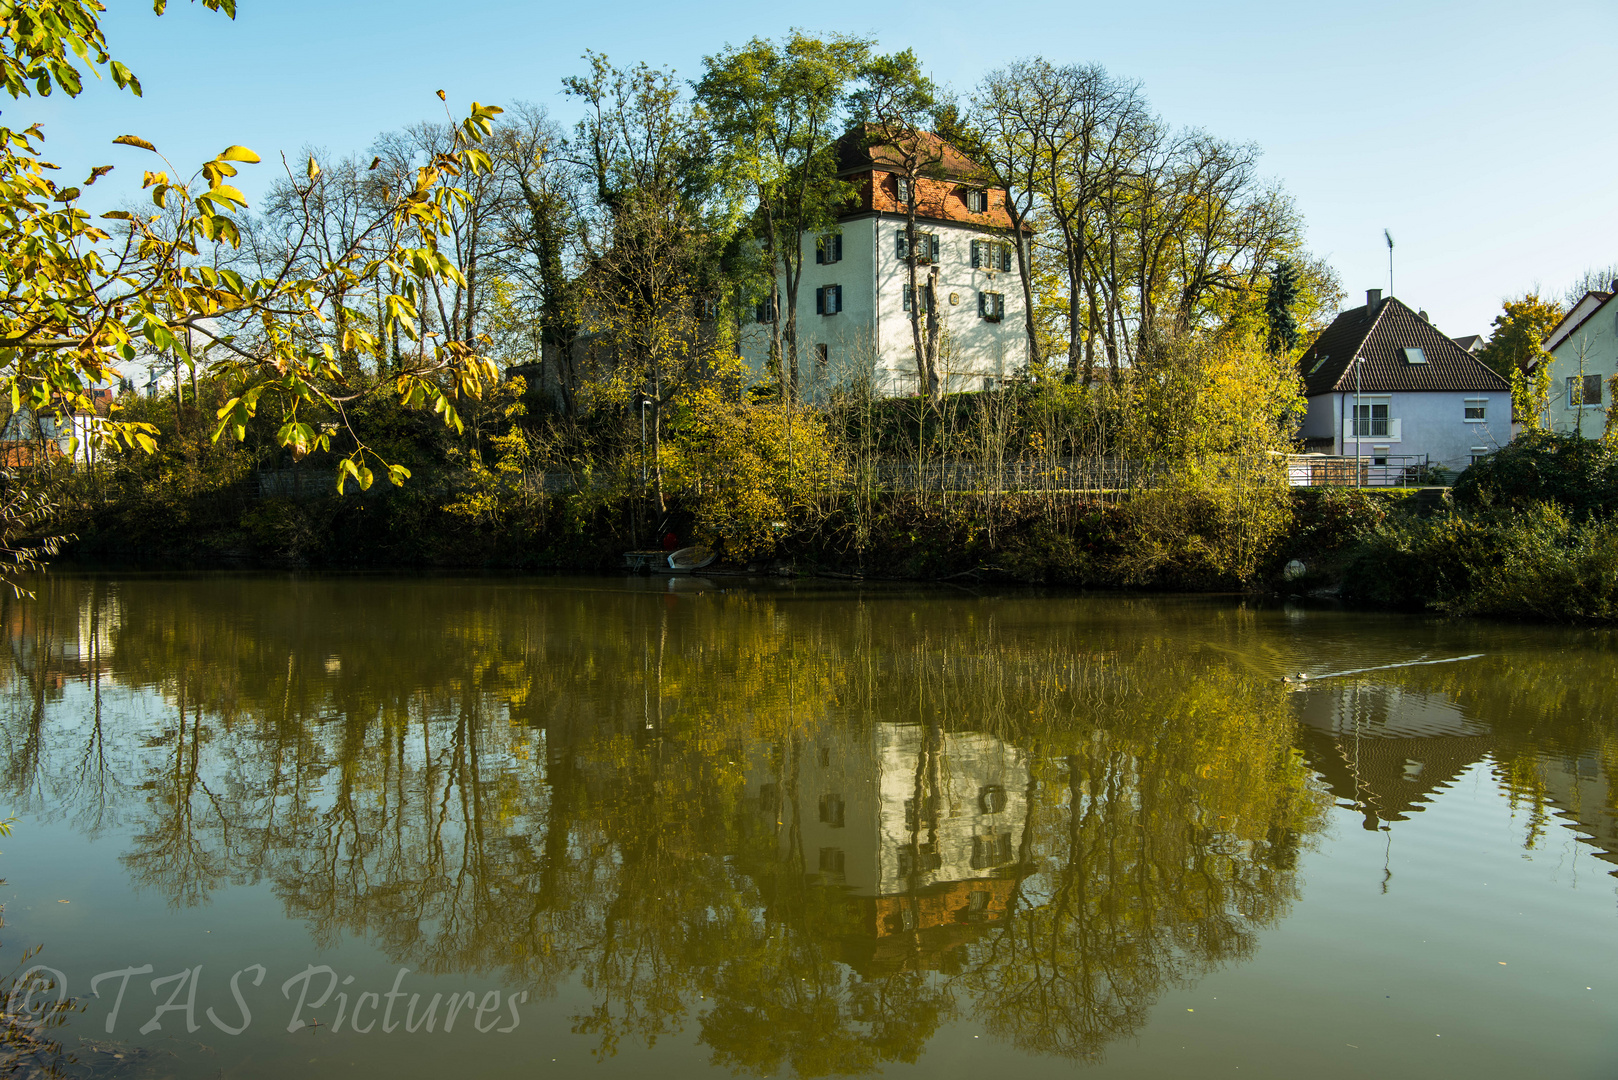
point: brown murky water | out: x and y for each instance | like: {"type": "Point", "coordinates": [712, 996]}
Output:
{"type": "Point", "coordinates": [320, 826]}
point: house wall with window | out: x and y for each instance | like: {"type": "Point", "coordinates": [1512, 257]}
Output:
{"type": "Point", "coordinates": [1582, 363]}
{"type": "Point", "coordinates": [1451, 428]}
{"type": "Point", "coordinates": [868, 331]}
{"type": "Point", "coordinates": [862, 822]}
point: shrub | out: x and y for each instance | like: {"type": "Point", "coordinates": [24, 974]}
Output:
{"type": "Point", "coordinates": [1549, 568]}
{"type": "Point", "coordinates": [1414, 564]}
{"type": "Point", "coordinates": [1576, 474]}
{"type": "Point", "coordinates": [1212, 522]}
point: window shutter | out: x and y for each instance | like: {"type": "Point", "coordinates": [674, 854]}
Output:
{"type": "Point", "coordinates": [976, 258]}
{"type": "Point", "coordinates": [906, 292]}
{"type": "Point", "coordinates": [820, 301]}
{"type": "Point", "coordinates": [837, 247]}
{"type": "Point", "coordinates": [983, 308]}
{"type": "Point", "coordinates": [899, 243]}
{"type": "Point", "coordinates": [820, 250]}
{"type": "Point", "coordinates": [934, 243]}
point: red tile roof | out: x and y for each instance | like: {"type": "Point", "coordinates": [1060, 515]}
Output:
{"type": "Point", "coordinates": [1378, 343]}
{"type": "Point", "coordinates": [946, 176]}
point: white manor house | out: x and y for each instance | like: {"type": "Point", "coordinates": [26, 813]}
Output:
{"type": "Point", "coordinates": [853, 303]}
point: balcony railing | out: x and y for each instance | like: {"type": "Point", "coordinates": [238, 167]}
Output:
{"type": "Point", "coordinates": [1378, 428]}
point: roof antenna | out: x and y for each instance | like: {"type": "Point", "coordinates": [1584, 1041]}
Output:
{"type": "Point", "coordinates": [1386, 235]}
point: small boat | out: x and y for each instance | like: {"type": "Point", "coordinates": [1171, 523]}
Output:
{"type": "Point", "coordinates": [687, 559]}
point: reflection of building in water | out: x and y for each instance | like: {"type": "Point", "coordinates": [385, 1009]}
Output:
{"type": "Point", "coordinates": [1586, 799]}
{"type": "Point", "coordinates": [60, 643]}
{"type": "Point", "coordinates": [919, 826]}
{"type": "Point", "coordinates": [1388, 752]}
{"type": "Point", "coordinates": [1385, 750]}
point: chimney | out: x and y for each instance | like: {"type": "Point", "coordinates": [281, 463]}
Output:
{"type": "Point", "coordinates": [1373, 300]}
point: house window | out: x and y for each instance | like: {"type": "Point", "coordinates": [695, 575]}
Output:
{"type": "Point", "coordinates": [901, 188]}
{"type": "Point", "coordinates": [926, 245]}
{"type": "Point", "coordinates": [991, 306]}
{"type": "Point", "coordinates": [828, 300]}
{"type": "Point", "coordinates": [1477, 409]}
{"type": "Point", "coordinates": [977, 202]}
{"type": "Point", "coordinates": [831, 810]}
{"type": "Point", "coordinates": [1584, 389]}
{"type": "Point", "coordinates": [990, 851]}
{"type": "Point", "coordinates": [829, 248]}
{"type": "Point", "coordinates": [832, 860]}
{"type": "Point", "coordinates": [1371, 419]}
{"type": "Point", "coordinates": [822, 355]}
{"type": "Point", "coordinates": [992, 799]}
{"type": "Point", "coordinates": [989, 255]}
{"type": "Point", "coordinates": [1379, 455]}
{"type": "Point", "coordinates": [764, 310]}
{"type": "Point", "coordinates": [825, 751]}
{"type": "Point", "coordinates": [925, 294]}
{"type": "Point", "coordinates": [927, 818]}
{"type": "Point", "coordinates": [1479, 453]}
{"type": "Point", "coordinates": [1415, 356]}
{"type": "Point", "coordinates": [921, 859]}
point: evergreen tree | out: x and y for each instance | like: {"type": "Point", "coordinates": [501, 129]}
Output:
{"type": "Point", "coordinates": [1278, 304]}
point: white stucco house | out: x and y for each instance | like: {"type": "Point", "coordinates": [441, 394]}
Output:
{"type": "Point", "coordinates": [1384, 383]}
{"type": "Point", "coordinates": [853, 307]}
{"type": "Point", "coordinates": [1584, 355]}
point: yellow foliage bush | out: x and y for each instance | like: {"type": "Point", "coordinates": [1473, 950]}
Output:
{"type": "Point", "coordinates": [747, 471]}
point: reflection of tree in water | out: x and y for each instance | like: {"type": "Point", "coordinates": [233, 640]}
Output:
{"type": "Point", "coordinates": [559, 785]}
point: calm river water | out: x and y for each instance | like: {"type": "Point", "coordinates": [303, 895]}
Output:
{"type": "Point", "coordinates": [483, 827]}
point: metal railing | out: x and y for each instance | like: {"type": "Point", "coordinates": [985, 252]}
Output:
{"type": "Point", "coordinates": [1368, 470]}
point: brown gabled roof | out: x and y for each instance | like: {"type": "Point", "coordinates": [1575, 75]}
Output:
{"type": "Point", "coordinates": [864, 146]}
{"type": "Point", "coordinates": [1378, 341]}
{"type": "Point", "coordinates": [945, 176]}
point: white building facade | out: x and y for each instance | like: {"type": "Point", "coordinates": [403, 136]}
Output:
{"type": "Point", "coordinates": [853, 303]}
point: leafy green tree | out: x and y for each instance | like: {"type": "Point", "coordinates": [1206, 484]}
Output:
{"type": "Point", "coordinates": [1520, 330]}
{"type": "Point", "coordinates": [776, 111]}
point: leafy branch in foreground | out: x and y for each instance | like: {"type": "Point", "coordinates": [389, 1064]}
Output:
{"type": "Point", "coordinates": [78, 294]}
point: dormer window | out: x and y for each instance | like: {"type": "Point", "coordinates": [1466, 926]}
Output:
{"type": "Point", "coordinates": [977, 202]}
{"type": "Point", "coordinates": [902, 190]}
{"type": "Point", "coordinates": [1415, 356]}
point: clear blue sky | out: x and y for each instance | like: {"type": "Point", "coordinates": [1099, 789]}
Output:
{"type": "Point", "coordinates": [1479, 132]}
